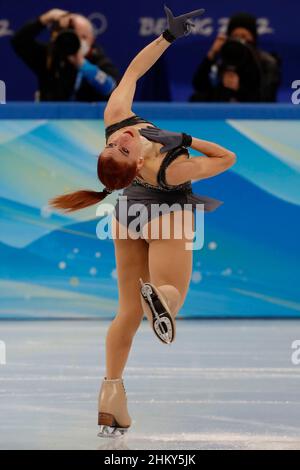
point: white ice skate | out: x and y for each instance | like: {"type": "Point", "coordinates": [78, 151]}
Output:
{"type": "Point", "coordinates": [158, 313]}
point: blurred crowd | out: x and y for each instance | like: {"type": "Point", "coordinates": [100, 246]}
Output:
{"type": "Point", "coordinates": [72, 67]}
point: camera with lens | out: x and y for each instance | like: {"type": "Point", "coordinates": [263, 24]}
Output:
{"type": "Point", "coordinates": [239, 56]}
{"type": "Point", "coordinates": [66, 42]}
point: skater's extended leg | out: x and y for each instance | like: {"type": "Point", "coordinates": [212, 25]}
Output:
{"type": "Point", "coordinates": [132, 263]}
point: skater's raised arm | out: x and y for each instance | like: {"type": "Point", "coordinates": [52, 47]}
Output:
{"type": "Point", "coordinates": [120, 102]}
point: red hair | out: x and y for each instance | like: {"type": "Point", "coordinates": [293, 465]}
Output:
{"type": "Point", "coordinates": [112, 172]}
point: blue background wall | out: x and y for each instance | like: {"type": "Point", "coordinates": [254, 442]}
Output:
{"type": "Point", "coordinates": [55, 266]}
{"type": "Point", "coordinates": [125, 27]}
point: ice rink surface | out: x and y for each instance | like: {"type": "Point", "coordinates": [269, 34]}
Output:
{"type": "Point", "coordinates": [222, 385]}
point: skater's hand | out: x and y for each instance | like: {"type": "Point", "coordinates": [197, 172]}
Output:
{"type": "Point", "coordinates": [171, 140]}
{"type": "Point", "coordinates": [179, 26]}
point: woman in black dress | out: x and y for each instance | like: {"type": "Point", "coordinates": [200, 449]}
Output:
{"type": "Point", "coordinates": [153, 270]}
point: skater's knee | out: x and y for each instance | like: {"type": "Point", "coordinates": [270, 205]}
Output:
{"type": "Point", "coordinates": [125, 326]}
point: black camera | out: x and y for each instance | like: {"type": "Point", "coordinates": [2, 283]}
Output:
{"type": "Point", "coordinates": [241, 57]}
{"type": "Point", "coordinates": [66, 41]}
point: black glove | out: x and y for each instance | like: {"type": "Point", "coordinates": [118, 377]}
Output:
{"type": "Point", "coordinates": [171, 140]}
{"type": "Point", "coordinates": [179, 26]}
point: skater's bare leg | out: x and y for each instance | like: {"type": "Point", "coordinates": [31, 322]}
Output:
{"type": "Point", "coordinates": [170, 264]}
{"type": "Point", "coordinates": [132, 263]}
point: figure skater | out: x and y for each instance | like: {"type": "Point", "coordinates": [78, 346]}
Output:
{"type": "Point", "coordinates": [154, 167]}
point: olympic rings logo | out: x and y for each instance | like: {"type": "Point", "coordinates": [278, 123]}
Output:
{"type": "Point", "coordinates": [99, 22]}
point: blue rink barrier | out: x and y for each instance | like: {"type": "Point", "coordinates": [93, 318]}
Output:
{"type": "Point", "coordinates": [54, 266]}
{"type": "Point", "coordinates": [152, 111]}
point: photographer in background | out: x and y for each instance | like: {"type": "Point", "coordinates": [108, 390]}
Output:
{"type": "Point", "coordinates": [235, 70]}
{"type": "Point", "coordinates": [71, 67]}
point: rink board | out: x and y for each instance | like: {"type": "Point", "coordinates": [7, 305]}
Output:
{"type": "Point", "coordinates": [55, 266]}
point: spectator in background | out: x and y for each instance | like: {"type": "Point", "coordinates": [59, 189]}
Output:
{"type": "Point", "coordinates": [235, 69]}
{"type": "Point", "coordinates": [71, 67]}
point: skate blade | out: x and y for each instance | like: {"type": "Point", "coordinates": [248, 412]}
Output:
{"type": "Point", "coordinates": [160, 327]}
{"type": "Point", "coordinates": [163, 326]}
{"type": "Point", "coordinates": [111, 432]}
